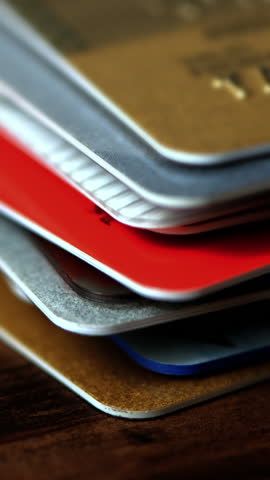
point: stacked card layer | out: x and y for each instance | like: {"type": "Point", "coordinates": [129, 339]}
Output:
{"type": "Point", "coordinates": [160, 267]}
{"type": "Point", "coordinates": [97, 371]}
{"type": "Point", "coordinates": [185, 157]}
{"type": "Point", "coordinates": [172, 136]}
{"type": "Point", "coordinates": [77, 298]}
{"type": "Point", "coordinates": [81, 300]}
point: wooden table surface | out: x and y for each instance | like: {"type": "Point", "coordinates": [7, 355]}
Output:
{"type": "Point", "coordinates": [46, 432]}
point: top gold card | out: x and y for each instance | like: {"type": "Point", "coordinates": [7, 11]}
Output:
{"type": "Point", "coordinates": [192, 77]}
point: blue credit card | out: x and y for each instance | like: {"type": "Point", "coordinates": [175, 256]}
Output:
{"type": "Point", "coordinates": [218, 341]}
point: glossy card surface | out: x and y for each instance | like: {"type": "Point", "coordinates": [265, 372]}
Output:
{"type": "Point", "coordinates": [215, 342]}
{"type": "Point", "coordinates": [178, 70]}
{"type": "Point", "coordinates": [96, 369]}
{"type": "Point", "coordinates": [162, 268]}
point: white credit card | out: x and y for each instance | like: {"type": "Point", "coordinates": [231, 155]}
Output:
{"type": "Point", "coordinates": [107, 191]}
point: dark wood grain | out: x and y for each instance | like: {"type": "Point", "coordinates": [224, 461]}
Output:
{"type": "Point", "coordinates": [46, 432]}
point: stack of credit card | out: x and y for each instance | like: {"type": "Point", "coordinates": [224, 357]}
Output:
{"type": "Point", "coordinates": [135, 196]}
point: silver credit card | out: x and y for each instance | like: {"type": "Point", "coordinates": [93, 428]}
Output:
{"type": "Point", "coordinates": [26, 265]}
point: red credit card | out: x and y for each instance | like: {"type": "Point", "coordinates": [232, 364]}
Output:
{"type": "Point", "coordinates": [157, 266]}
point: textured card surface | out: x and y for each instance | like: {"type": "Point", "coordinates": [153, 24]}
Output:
{"type": "Point", "coordinates": [81, 120]}
{"type": "Point", "coordinates": [80, 299]}
{"type": "Point", "coordinates": [204, 346]}
{"type": "Point", "coordinates": [99, 372]}
{"type": "Point", "coordinates": [170, 65]}
{"type": "Point", "coordinates": [25, 263]}
{"type": "Point", "coordinates": [162, 268]}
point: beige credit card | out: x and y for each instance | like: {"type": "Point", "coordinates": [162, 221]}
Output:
{"type": "Point", "coordinates": [102, 374]}
{"type": "Point", "coordinates": [191, 77]}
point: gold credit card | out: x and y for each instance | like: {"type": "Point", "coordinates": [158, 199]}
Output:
{"type": "Point", "coordinates": [102, 374]}
{"type": "Point", "coordinates": [193, 75]}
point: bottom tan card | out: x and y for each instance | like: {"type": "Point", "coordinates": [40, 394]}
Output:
{"type": "Point", "coordinates": [99, 372]}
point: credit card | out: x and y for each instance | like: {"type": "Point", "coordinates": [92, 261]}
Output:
{"type": "Point", "coordinates": [82, 121]}
{"type": "Point", "coordinates": [157, 266]}
{"type": "Point", "coordinates": [100, 373]}
{"type": "Point", "coordinates": [84, 301]}
{"type": "Point", "coordinates": [108, 192]}
{"type": "Point", "coordinates": [214, 342]}
{"type": "Point", "coordinates": [79, 298]}
{"type": "Point", "coordinates": [176, 71]}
